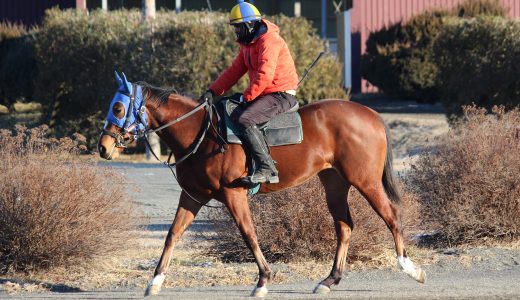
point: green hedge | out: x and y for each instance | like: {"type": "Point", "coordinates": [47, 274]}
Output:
{"type": "Point", "coordinates": [399, 59]}
{"type": "Point", "coordinates": [76, 55]}
{"type": "Point", "coordinates": [475, 8]}
{"type": "Point", "coordinates": [477, 62]}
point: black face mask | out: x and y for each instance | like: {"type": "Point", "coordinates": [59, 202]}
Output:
{"type": "Point", "coordinates": [246, 32]}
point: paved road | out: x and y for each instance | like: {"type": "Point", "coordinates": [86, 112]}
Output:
{"type": "Point", "coordinates": [155, 191]}
{"type": "Point", "coordinates": [503, 283]}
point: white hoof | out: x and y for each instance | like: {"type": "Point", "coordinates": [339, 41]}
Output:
{"type": "Point", "coordinates": [409, 268]}
{"type": "Point", "coordinates": [259, 292]}
{"type": "Point", "coordinates": [154, 287]}
{"type": "Point", "coordinates": [421, 278]}
{"type": "Point", "coordinates": [321, 289]}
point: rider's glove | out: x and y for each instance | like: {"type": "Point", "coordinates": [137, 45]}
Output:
{"type": "Point", "coordinates": [207, 97]}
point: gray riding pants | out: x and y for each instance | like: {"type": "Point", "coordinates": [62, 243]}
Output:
{"type": "Point", "coordinates": [263, 108]}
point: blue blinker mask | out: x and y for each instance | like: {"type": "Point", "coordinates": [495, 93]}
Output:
{"type": "Point", "coordinates": [131, 96]}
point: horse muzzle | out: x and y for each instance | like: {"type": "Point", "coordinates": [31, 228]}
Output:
{"type": "Point", "coordinates": [112, 143]}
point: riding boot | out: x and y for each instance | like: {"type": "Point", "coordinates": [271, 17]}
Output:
{"type": "Point", "coordinates": [264, 169]}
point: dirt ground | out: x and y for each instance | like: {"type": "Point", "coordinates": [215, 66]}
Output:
{"type": "Point", "coordinates": [488, 272]}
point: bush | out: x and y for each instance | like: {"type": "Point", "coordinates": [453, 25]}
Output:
{"type": "Point", "coordinates": [467, 184]}
{"type": "Point", "coordinates": [477, 63]}
{"type": "Point", "coordinates": [399, 60]}
{"type": "Point", "coordinates": [56, 208]}
{"type": "Point", "coordinates": [17, 63]}
{"type": "Point", "coordinates": [76, 55]}
{"type": "Point", "coordinates": [295, 224]}
{"type": "Point", "coordinates": [475, 8]}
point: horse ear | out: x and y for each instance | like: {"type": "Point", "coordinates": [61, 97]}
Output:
{"type": "Point", "coordinates": [118, 79]}
{"type": "Point", "coordinates": [126, 85]}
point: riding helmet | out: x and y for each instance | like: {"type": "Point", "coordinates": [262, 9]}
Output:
{"type": "Point", "coordinates": [246, 18]}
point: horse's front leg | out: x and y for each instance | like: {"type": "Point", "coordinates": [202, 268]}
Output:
{"type": "Point", "coordinates": [239, 208]}
{"type": "Point", "coordinates": [186, 212]}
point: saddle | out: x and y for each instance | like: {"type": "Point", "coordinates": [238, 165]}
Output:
{"type": "Point", "coordinates": [283, 129]}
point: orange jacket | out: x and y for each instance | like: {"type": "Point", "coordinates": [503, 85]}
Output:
{"type": "Point", "coordinates": [268, 63]}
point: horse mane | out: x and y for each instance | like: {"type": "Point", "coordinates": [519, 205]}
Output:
{"type": "Point", "coordinates": [158, 94]}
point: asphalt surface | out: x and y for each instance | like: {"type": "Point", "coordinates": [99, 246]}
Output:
{"type": "Point", "coordinates": [379, 284]}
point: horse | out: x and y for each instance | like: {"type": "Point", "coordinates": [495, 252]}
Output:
{"type": "Point", "coordinates": [345, 143]}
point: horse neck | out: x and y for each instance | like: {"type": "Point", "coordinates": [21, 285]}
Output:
{"type": "Point", "coordinates": [179, 136]}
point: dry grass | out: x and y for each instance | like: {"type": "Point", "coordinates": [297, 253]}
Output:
{"type": "Point", "coordinates": [468, 184]}
{"type": "Point", "coordinates": [55, 209]}
{"type": "Point", "coordinates": [295, 225]}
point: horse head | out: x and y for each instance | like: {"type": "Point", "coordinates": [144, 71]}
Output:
{"type": "Point", "coordinates": [126, 119]}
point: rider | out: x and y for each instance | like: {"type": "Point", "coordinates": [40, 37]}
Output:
{"type": "Point", "coordinates": [265, 57]}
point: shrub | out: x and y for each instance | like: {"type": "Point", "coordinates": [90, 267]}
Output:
{"type": "Point", "coordinates": [467, 184]}
{"type": "Point", "coordinates": [17, 63]}
{"type": "Point", "coordinates": [477, 63]}
{"type": "Point", "coordinates": [474, 8]}
{"type": "Point", "coordinates": [56, 208]}
{"type": "Point", "coordinates": [76, 55]}
{"type": "Point", "coordinates": [399, 60]}
{"type": "Point", "coordinates": [296, 224]}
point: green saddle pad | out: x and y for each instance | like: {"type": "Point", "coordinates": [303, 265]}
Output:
{"type": "Point", "coordinates": [283, 129]}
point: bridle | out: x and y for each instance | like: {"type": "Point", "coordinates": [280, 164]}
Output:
{"type": "Point", "coordinates": [140, 119]}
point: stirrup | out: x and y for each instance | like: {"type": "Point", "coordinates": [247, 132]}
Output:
{"type": "Point", "coordinates": [248, 180]}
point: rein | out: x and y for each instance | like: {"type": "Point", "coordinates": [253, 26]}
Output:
{"type": "Point", "coordinates": [194, 147]}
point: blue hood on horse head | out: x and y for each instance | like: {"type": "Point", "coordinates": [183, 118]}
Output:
{"type": "Point", "coordinates": [134, 113]}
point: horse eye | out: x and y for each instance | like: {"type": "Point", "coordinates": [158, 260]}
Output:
{"type": "Point", "coordinates": [118, 110]}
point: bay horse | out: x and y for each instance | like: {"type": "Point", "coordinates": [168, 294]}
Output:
{"type": "Point", "coordinates": [346, 144]}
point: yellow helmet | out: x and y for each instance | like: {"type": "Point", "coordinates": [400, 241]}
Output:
{"type": "Point", "coordinates": [243, 12]}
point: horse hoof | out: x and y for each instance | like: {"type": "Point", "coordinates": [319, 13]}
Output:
{"type": "Point", "coordinates": [321, 289]}
{"type": "Point", "coordinates": [152, 290]}
{"type": "Point", "coordinates": [155, 285]}
{"type": "Point", "coordinates": [259, 292]}
{"type": "Point", "coordinates": [421, 278]}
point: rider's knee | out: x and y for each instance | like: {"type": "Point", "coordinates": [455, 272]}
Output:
{"type": "Point", "coordinates": [246, 121]}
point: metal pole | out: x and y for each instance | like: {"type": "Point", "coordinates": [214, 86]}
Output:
{"type": "Point", "coordinates": [81, 4]}
{"type": "Point", "coordinates": [324, 19]}
{"type": "Point", "coordinates": [297, 8]}
{"type": "Point", "coordinates": [148, 9]}
{"type": "Point", "coordinates": [104, 5]}
{"type": "Point", "coordinates": [347, 50]}
{"type": "Point", "coordinates": [153, 139]}
{"type": "Point", "coordinates": [178, 5]}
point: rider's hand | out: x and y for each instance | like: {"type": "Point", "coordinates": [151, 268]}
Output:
{"type": "Point", "coordinates": [238, 98]}
{"type": "Point", "coordinates": [207, 97]}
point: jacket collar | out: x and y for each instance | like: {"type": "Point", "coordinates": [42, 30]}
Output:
{"type": "Point", "coordinates": [266, 28]}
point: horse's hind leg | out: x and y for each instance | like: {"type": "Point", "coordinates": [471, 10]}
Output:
{"type": "Point", "coordinates": [336, 190]}
{"type": "Point", "coordinates": [186, 212]}
{"type": "Point", "coordinates": [375, 194]}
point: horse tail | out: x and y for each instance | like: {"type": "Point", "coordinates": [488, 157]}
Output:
{"type": "Point", "coordinates": [388, 178]}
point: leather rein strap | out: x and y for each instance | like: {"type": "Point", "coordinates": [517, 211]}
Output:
{"type": "Point", "coordinates": [194, 147]}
